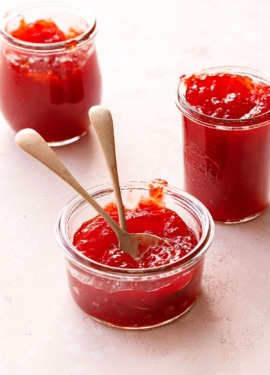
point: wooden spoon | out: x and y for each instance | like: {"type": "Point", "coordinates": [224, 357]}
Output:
{"type": "Point", "coordinates": [102, 121]}
{"type": "Point", "coordinates": [32, 143]}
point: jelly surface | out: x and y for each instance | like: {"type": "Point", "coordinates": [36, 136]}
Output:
{"type": "Point", "coordinates": [96, 240]}
{"type": "Point", "coordinates": [49, 92]}
{"type": "Point", "coordinates": [42, 31]}
{"type": "Point", "coordinates": [228, 96]}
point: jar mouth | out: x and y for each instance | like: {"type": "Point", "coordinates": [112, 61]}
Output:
{"type": "Point", "coordinates": [222, 123]}
{"type": "Point", "coordinates": [188, 202]}
{"type": "Point", "coordinates": [17, 13]}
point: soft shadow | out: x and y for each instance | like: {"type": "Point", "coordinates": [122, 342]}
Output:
{"type": "Point", "coordinates": [189, 330]}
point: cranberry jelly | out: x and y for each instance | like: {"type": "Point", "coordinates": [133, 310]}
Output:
{"type": "Point", "coordinates": [49, 70]}
{"type": "Point", "coordinates": [226, 117]}
{"type": "Point", "coordinates": [117, 290]}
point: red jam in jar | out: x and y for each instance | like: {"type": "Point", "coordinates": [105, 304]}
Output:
{"type": "Point", "coordinates": [159, 286]}
{"type": "Point", "coordinates": [226, 117]}
{"type": "Point", "coordinates": [96, 240]}
{"type": "Point", "coordinates": [42, 31]}
{"type": "Point", "coordinates": [49, 71]}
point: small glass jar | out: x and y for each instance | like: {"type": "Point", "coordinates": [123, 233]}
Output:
{"type": "Point", "coordinates": [50, 86]}
{"type": "Point", "coordinates": [135, 298]}
{"type": "Point", "coordinates": [226, 161]}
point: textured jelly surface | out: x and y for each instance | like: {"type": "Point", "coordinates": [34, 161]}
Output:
{"type": "Point", "coordinates": [51, 93]}
{"type": "Point", "coordinates": [96, 240]}
{"type": "Point", "coordinates": [138, 303]}
{"type": "Point", "coordinates": [228, 170]}
{"type": "Point", "coordinates": [42, 31]}
{"type": "Point", "coordinates": [228, 96]}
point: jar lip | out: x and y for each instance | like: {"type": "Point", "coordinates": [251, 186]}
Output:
{"type": "Point", "coordinates": [82, 261]}
{"type": "Point", "coordinates": [86, 36]}
{"type": "Point", "coordinates": [215, 122]}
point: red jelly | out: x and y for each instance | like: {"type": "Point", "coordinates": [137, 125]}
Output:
{"type": "Point", "coordinates": [158, 287]}
{"type": "Point", "coordinates": [49, 75]}
{"type": "Point", "coordinates": [96, 240]}
{"type": "Point", "coordinates": [226, 117]}
{"type": "Point", "coordinates": [40, 31]}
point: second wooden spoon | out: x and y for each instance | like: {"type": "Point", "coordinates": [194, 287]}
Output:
{"type": "Point", "coordinates": [102, 121]}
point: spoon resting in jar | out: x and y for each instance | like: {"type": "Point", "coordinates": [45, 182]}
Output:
{"type": "Point", "coordinates": [102, 121]}
{"type": "Point", "coordinates": [32, 143]}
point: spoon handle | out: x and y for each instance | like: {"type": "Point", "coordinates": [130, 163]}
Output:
{"type": "Point", "coordinates": [102, 122]}
{"type": "Point", "coordinates": [32, 143]}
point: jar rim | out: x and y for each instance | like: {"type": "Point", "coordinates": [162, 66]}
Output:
{"type": "Point", "coordinates": [85, 37]}
{"type": "Point", "coordinates": [82, 261]}
{"type": "Point", "coordinates": [215, 122]}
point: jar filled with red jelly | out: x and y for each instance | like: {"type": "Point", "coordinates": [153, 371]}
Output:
{"type": "Point", "coordinates": [158, 287]}
{"type": "Point", "coordinates": [49, 70]}
{"type": "Point", "coordinates": [226, 136]}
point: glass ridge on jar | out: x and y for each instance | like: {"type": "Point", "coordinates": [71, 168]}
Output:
{"type": "Point", "coordinates": [50, 86]}
{"type": "Point", "coordinates": [135, 298]}
{"type": "Point", "coordinates": [226, 161]}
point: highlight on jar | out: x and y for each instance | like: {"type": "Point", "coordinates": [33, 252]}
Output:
{"type": "Point", "coordinates": [49, 70]}
{"type": "Point", "coordinates": [226, 136]}
{"type": "Point", "coordinates": [158, 285]}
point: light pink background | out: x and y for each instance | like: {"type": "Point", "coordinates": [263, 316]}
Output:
{"type": "Point", "coordinates": [143, 46]}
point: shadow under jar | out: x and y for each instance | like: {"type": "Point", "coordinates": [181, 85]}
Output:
{"type": "Point", "coordinates": [135, 298]}
{"type": "Point", "coordinates": [49, 70]}
{"type": "Point", "coordinates": [226, 136]}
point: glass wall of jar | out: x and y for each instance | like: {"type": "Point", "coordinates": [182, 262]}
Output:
{"type": "Point", "coordinates": [136, 298]}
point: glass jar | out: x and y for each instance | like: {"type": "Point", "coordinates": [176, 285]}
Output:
{"type": "Point", "coordinates": [49, 86]}
{"type": "Point", "coordinates": [135, 298]}
{"type": "Point", "coordinates": [226, 161]}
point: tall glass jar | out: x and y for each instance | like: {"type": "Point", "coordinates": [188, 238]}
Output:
{"type": "Point", "coordinates": [49, 86]}
{"type": "Point", "coordinates": [226, 160]}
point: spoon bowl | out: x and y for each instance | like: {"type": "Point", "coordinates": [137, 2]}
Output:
{"type": "Point", "coordinates": [32, 143]}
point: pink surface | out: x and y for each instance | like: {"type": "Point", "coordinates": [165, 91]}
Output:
{"type": "Point", "coordinates": [143, 47]}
